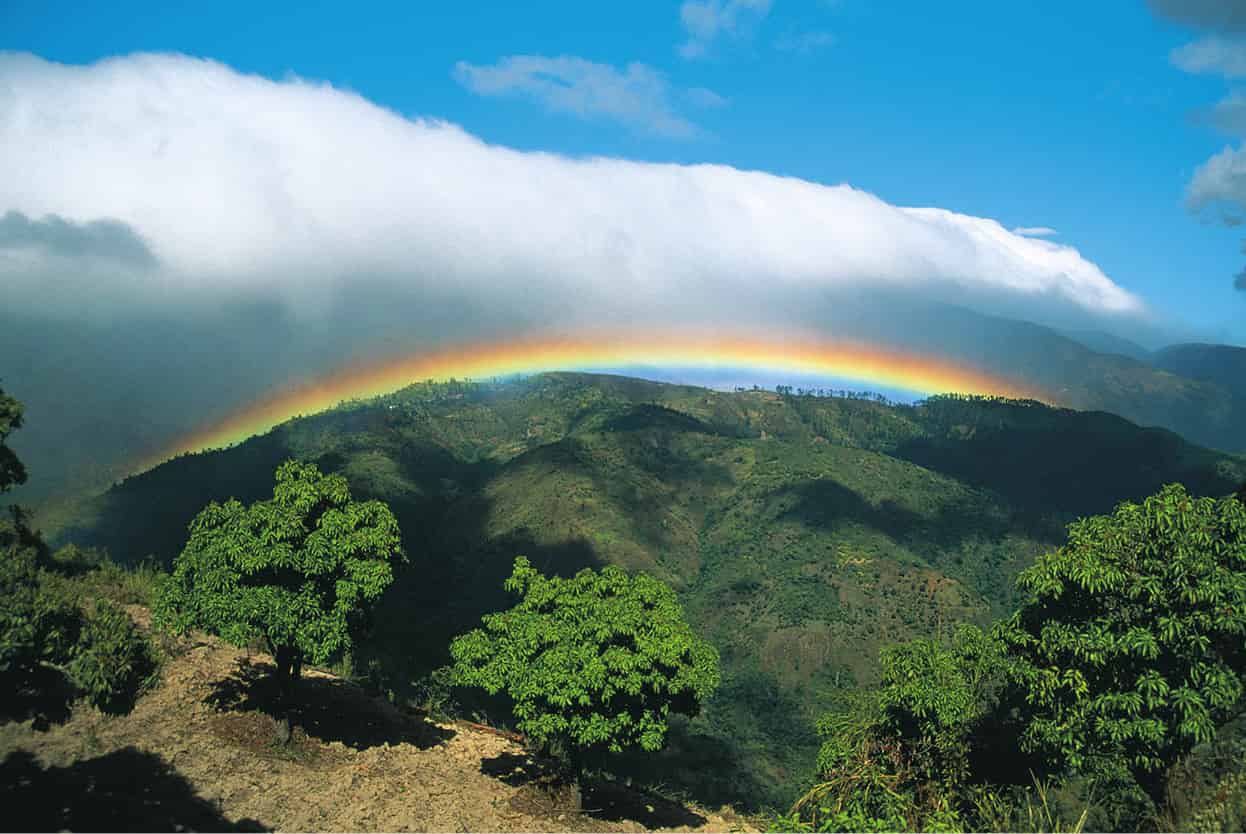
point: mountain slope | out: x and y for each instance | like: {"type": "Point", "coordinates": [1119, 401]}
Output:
{"type": "Point", "coordinates": [1221, 365]}
{"type": "Point", "coordinates": [1201, 410]}
{"type": "Point", "coordinates": [802, 533]}
{"type": "Point", "coordinates": [196, 754]}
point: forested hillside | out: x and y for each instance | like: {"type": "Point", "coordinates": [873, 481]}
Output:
{"type": "Point", "coordinates": [801, 532]}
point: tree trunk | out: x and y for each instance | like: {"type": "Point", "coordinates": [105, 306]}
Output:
{"type": "Point", "coordinates": [289, 662]}
{"type": "Point", "coordinates": [575, 775]}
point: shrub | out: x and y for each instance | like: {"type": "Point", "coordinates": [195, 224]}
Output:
{"type": "Point", "coordinates": [115, 661]}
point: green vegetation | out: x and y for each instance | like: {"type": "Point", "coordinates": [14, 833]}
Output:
{"type": "Point", "coordinates": [297, 571]}
{"type": "Point", "coordinates": [801, 534]}
{"type": "Point", "coordinates": [38, 625]}
{"type": "Point", "coordinates": [1127, 653]}
{"type": "Point", "coordinates": [593, 663]}
{"type": "Point", "coordinates": [896, 757]}
{"type": "Point", "coordinates": [12, 472]}
{"type": "Point", "coordinates": [114, 662]}
{"type": "Point", "coordinates": [1131, 647]}
{"type": "Point", "coordinates": [48, 648]}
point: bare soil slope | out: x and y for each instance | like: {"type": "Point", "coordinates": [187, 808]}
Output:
{"type": "Point", "coordinates": [197, 754]}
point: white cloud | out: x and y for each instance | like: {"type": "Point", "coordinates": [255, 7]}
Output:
{"type": "Point", "coordinates": [1213, 55]}
{"type": "Point", "coordinates": [243, 186]}
{"type": "Point", "coordinates": [1221, 179]}
{"type": "Point", "coordinates": [1035, 231]}
{"type": "Point", "coordinates": [707, 20]}
{"type": "Point", "coordinates": [638, 96]}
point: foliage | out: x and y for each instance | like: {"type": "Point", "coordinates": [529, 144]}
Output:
{"type": "Point", "coordinates": [296, 571]}
{"type": "Point", "coordinates": [114, 661]}
{"type": "Point", "coordinates": [37, 624]}
{"type": "Point", "coordinates": [595, 662]}
{"type": "Point", "coordinates": [433, 694]}
{"type": "Point", "coordinates": [12, 472]}
{"type": "Point", "coordinates": [1131, 645]}
{"type": "Point", "coordinates": [898, 757]}
{"type": "Point", "coordinates": [1028, 808]}
{"type": "Point", "coordinates": [1206, 790]}
{"type": "Point", "coordinates": [39, 621]}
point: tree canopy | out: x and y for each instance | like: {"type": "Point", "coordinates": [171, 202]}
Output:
{"type": "Point", "coordinates": [297, 570]}
{"type": "Point", "coordinates": [1132, 644]}
{"type": "Point", "coordinates": [594, 662]}
{"type": "Point", "coordinates": [894, 758]}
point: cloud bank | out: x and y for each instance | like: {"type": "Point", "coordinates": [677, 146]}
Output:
{"type": "Point", "coordinates": [240, 185]}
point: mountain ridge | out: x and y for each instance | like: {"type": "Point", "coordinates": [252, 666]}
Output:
{"type": "Point", "coordinates": [802, 533]}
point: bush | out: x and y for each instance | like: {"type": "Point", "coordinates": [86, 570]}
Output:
{"type": "Point", "coordinates": [115, 661]}
{"type": "Point", "coordinates": [39, 622]}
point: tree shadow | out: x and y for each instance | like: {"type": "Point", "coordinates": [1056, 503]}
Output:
{"type": "Point", "coordinates": [45, 699]}
{"type": "Point", "coordinates": [711, 770]}
{"type": "Point", "coordinates": [617, 802]}
{"type": "Point", "coordinates": [328, 709]}
{"type": "Point", "coordinates": [514, 769]}
{"type": "Point", "coordinates": [126, 790]}
{"type": "Point", "coordinates": [603, 799]}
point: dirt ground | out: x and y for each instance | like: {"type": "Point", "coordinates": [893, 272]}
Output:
{"type": "Point", "coordinates": [197, 754]}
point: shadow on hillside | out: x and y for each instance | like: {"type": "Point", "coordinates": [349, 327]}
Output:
{"type": "Point", "coordinates": [328, 709]}
{"type": "Point", "coordinates": [615, 802]}
{"type": "Point", "coordinates": [603, 799]}
{"type": "Point", "coordinates": [707, 769]}
{"type": "Point", "coordinates": [147, 514]}
{"type": "Point", "coordinates": [1084, 463]}
{"type": "Point", "coordinates": [828, 504]}
{"type": "Point", "coordinates": [514, 769]}
{"type": "Point", "coordinates": [46, 700]}
{"type": "Point", "coordinates": [127, 790]}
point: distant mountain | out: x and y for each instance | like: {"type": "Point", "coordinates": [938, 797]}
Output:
{"type": "Point", "coordinates": [1101, 342]}
{"type": "Point", "coordinates": [1201, 409]}
{"type": "Point", "coordinates": [1221, 365]}
{"type": "Point", "coordinates": [802, 533]}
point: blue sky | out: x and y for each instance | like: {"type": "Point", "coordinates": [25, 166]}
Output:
{"type": "Point", "coordinates": [1071, 116]}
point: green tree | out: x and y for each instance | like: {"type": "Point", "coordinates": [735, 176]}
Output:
{"type": "Point", "coordinates": [898, 757]}
{"type": "Point", "coordinates": [114, 661]}
{"type": "Point", "coordinates": [298, 571]}
{"type": "Point", "coordinates": [593, 663]}
{"type": "Point", "coordinates": [11, 469]}
{"type": "Point", "coordinates": [1131, 646]}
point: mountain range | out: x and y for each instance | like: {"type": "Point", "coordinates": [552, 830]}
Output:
{"type": "Point", "coordinates": [801, 533]}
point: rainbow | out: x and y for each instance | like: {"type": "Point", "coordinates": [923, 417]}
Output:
{"type": "Point", "coordinates": [771, 357]}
